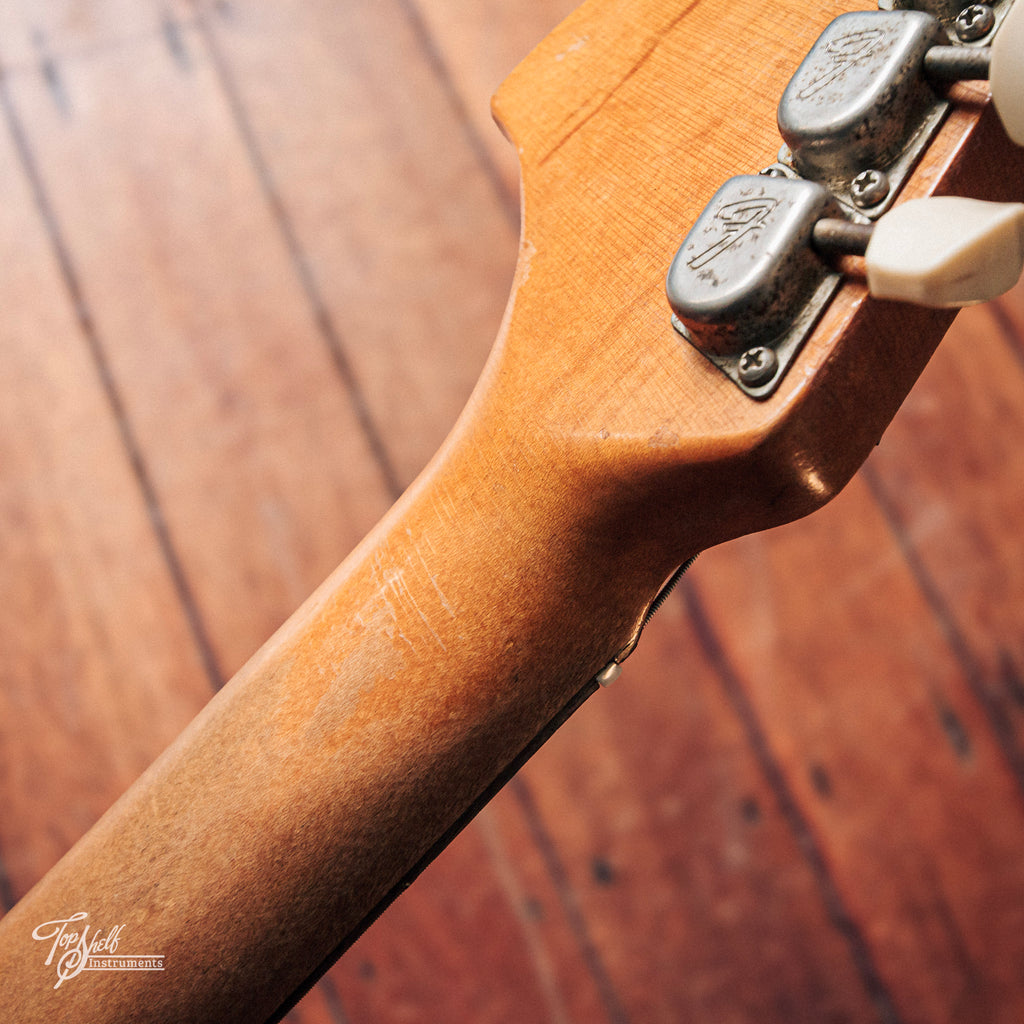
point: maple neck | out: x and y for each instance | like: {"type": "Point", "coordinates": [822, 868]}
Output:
{"type": "Point", "coordinates": [321, 775]}
{"type": "Point", "coordinates": [599, 452]}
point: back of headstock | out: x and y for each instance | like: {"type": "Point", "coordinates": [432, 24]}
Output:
{"type": "Point", "coordinates": [627, 119]}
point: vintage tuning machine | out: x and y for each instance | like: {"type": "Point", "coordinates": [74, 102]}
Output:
{"type": "Point", "coordinates": [746, 286]}
{"type": "Point", "coordinates": [867, 98]}
{"type": "Point", "coordinates": [756, 271]}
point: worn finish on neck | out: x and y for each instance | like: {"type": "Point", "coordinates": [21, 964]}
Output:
{"type": "Point", "coordinates": [597, 453]}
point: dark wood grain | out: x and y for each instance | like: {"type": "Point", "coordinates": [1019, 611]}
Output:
{"type": "Point", "coordinates": [254, 258]}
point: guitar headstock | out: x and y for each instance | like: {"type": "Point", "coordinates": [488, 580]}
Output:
{"type": "Point", "coordinates": [359, 737]}
{"type": "Point", "coordinates": [627, 119]}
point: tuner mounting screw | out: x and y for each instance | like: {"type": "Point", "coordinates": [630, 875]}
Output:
{"type": "Point", "coordinates": [975, 22]}
{"type": "Point", "coordinates": [757, 366]}
{"type": "Point", "coordinates": [869, 188]}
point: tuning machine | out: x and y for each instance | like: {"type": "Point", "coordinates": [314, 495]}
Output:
{"type": "Point", "coordinates": [866, 100]}
{"type": "Point", "coordinates": [746, 287]}
{"type": "Point", "coordinates": [755, 273]}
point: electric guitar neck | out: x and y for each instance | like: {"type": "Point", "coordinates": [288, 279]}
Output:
{"type": "Point", "coordinates": [619, 428]}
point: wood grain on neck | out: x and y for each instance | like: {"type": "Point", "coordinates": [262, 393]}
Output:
{"type": "Point", "coordinates": [598, 453]}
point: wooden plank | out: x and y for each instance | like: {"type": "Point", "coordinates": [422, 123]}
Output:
{"type": "Point", "coordinates": [477, 45]}
{"type": "Point", "coordinates": [949, 480]}
{"type": "Point", "coordinates": [36, 35]}
{"type": "Point", "coordinates": [407, 244]}
{"type": "Point", "coordinates": [886, 750]}
{"type": "Point", "coordinates": [460, 947]}
{"type": "Point", "coordinates": [207, 332]}
{"type": "Point", "coordinates": [693, 886]}
{"type": "Point", "coordinates": [98, 664]}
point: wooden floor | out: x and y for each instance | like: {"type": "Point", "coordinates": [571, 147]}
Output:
{"type": "Point", "coordinates": [252, 256]}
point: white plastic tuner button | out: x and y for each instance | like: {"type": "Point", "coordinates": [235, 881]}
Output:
{"type": "Point", "coordinates": [946, 251]}
{"type": "Point", "coordinates": [1006, 76]}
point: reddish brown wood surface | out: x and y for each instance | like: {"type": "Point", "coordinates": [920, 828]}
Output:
{"type": "Point", "coordinates": [254, 259]}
